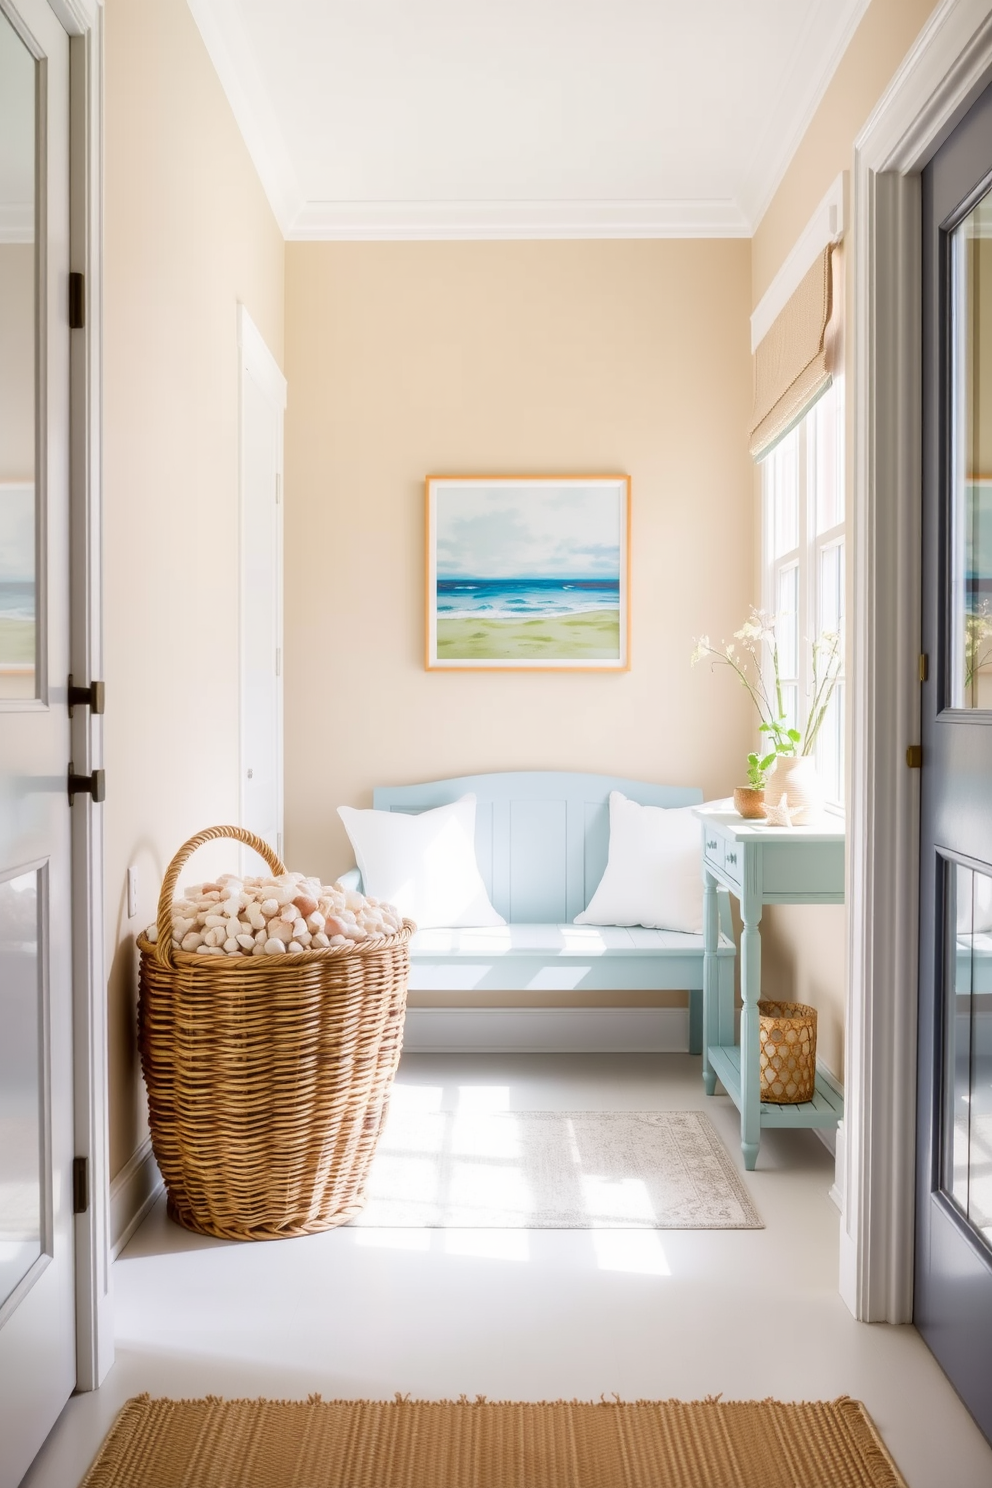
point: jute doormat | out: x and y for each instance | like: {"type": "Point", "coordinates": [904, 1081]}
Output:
{"type": "Point", "coordinates": [216, 1443]}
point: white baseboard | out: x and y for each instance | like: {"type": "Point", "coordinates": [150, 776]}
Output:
{"type": "Point", "coordinates": [828, 1136]}
{"type": "Point", "coordinates": [546, 1030]}
{"type": "Point", "coordinates": [132, 1194]}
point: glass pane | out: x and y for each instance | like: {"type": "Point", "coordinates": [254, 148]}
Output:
{"type": "Point", "coordinates": [787, 622]}
{"type": "Point", "coordinates": [790, 703]}
{"type": "Point", "coordinates": [971, 464]}
{"type": "Point", "coordinates": [830, 593]}
{"type": "Point", "coordinates": [967, 1175]}
{"type": "Point", "coordinates": [957, 1037]}
{"type": "Point", "coordinates": [20, 1081]}
{"type": "Point", "coordinates": [980, 1144]}
{"type": "Point", "coordinates": [781, 474]}
{"type": "Point", "coordinates": [18, 563]}
{"type": "Point", "coordinates": [824, 431]}
{"type": "Point", "coordinates": [830, 749]}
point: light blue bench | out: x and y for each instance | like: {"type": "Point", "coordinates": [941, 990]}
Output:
{"type": "Point", "coordinates": [541, 840]}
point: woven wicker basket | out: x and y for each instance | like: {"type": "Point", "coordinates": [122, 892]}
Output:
{"type": "Point", "coordinates": [268, 1076]}
{"type": "Point", "coordinates": [787, 1039]}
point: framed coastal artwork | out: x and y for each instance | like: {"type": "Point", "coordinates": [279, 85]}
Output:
{"type": "Point", "coordinates": [528, 573]}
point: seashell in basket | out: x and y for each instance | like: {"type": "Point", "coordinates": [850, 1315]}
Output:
{"type": "Point", "coordinates": [273, 916]}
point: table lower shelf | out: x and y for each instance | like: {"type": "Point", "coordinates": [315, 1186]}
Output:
{"type": "Point", "coordinates": [824, 1110]}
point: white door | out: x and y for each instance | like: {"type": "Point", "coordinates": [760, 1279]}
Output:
{"type": "Point", "coordinates": [37, 1344]}
{"type": "Point", "coordinates": [263, 400]}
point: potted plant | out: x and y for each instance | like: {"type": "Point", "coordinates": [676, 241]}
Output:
{"type": "Point", "coordinates": [793, 790]}
{"type": "Point", "coordinates": [749, 800]}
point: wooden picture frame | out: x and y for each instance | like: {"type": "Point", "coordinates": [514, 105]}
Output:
{"type": "Point", "coordinates": [528, 573]}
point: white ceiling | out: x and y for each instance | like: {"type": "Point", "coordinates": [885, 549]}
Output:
{"type": "Point", "coordinates": [523, 118]}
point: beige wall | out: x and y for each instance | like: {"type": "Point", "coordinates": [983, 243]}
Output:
{"type": "Point", "coordinates": [188, 234]}
{"type": "Point", "coordinates": [405, 359]}
{"type": "Point", "coordinates": [16, 361]}
{"type": "Point", "coordinates": [805, 950]}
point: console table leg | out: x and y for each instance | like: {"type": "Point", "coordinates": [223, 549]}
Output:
{"type": "Point", "coordinates": [750, 992]}
{"type": "Point", "coordinates": [711, 988]}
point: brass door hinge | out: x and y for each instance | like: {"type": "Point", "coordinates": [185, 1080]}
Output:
{"type": "Point", "coordinates": [94, 785]}
{"type": "Point", "coordinates": [914, 756]}
{"type": "Point", "coordinates": [93, 697]}
{"type": "Point", "coordinates": [77, 302]}
{"type": "Point", "coordinates": [924, 666]}
{"type": "Point", "coordinates": [80, 1185]}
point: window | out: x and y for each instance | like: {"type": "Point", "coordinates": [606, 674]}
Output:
{"type": "Point", "coordinates": [803, 581]}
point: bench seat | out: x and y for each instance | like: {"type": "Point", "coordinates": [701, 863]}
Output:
{"type": "Point", "coordinates": [541, 842]}
{"type": "Point", "coordinates": [510, 958]}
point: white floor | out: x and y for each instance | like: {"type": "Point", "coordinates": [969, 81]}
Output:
{"type": "Point", "coordinates": [531, 1314]}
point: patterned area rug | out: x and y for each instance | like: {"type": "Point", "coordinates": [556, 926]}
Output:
{"type": "Point", "coordinates": [480, 1444]}
{"type": "Point", "coordinates": [555, 1170]}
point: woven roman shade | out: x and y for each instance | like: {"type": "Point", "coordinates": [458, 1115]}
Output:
{"type": "Point", "coordinates": [791, 362]}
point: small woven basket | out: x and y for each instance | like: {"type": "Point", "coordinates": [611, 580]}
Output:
{"type": "Point", "coordinates": [787, 1040]}
{"type": "Point", "coordinates": [268, 1076]}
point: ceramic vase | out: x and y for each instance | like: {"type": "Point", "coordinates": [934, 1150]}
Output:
{"type": "Point", "coordinates": [749, 802]}
{"type": "Point", "coordinates": [795, 778]}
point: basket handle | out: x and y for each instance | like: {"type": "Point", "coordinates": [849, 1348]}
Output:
{"type": "Point", "coordinates": [163, 945]}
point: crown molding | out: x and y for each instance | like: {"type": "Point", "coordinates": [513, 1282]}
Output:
{"type": "Point", "coordinates": [77, 16]}
{"type": "Point", "coordinates": [784, 133]}
{"type": "Point", "coordinates": [356, 221]}
{"type": "Point", "coordinates": [825, 226]}
{"type": "Point", "coordinates": [219, 25]}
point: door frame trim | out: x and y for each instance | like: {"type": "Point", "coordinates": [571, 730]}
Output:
{"type": "Point", "coordinates": [947, 68]}
{"type": "Point", "coordinates": [256, 361]}
{"type": "Point", "coordinates": [83, 20]}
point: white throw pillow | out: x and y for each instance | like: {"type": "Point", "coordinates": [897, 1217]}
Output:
{"type": "Point", "coordinates": [654, 871]}
{"type": "Point", "coordinates": [423, 864]}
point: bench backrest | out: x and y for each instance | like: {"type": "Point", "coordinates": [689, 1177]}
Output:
{"type": "Point", "coordinates": [541, 836]}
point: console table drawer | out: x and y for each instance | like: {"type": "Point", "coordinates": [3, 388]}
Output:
{"type": "Point", "coordinates": [733, 857]}
{"type": "Point", "coordinates": [713, 848]}
{"type": "Point", "coordinates": [790, 868]}
{"type": "Point", "coordinates": [724, 854]}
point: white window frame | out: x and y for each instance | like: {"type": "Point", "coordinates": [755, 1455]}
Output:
{"type": "Point", "coordinates": [792, 461]}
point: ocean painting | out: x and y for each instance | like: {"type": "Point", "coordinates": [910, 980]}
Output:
{"type": "Point", "coordinates": [527, 572]}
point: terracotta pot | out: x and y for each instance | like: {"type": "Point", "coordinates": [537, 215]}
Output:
{"type": "Point", "coordinates": [749, 802]}
{"type": "Point", "coordinates": [794, 777]}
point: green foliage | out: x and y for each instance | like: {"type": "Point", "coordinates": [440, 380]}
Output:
{"type": "Point", "coordinates": [784, 738]}
{"type": "Point", "coordinates": [757, 769]}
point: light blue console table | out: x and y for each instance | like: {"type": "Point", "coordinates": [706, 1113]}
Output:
{"type": "Point", "coordinates": [761, 865]}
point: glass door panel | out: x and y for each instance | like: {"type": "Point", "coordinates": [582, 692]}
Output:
{"type": "Point", "coordinates": [971, 459]}
{"type": "Point", "coordinates": [967, 1160]}
{"type": "Point", "coordinates": [21, 1082]}
{"type": "Point", "coordinates": [18, 318]}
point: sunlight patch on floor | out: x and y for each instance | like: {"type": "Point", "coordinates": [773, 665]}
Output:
{"type": "Point", "coordinates": [639, 1251]}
